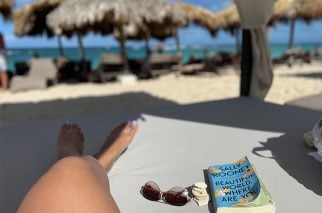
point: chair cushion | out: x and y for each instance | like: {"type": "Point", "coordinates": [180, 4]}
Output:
{"type": "Point", "coordinates": [313, 102]}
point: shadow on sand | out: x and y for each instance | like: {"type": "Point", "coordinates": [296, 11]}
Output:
{"type": "Point", "coordinates": [314, 75]}
{"type": "Point", "coordinates": [57, 109]}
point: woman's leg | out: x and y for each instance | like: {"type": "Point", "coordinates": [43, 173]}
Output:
{"type": "Point", "coordinates": [77, 183]}
{"type": "Point", "coordinates": [4, 80]}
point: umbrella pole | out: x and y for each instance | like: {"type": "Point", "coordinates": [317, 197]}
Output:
{"type": "Point", "coordinates": [146, 44]}
{"type": "Point", "coordinates": [123, 50]}
{"type": "Point", "coordinates": [246, 63]}
{"type": "Point", "coordinates": [290, 45]}
{"type": "Point", "coordinates": [60, 46]}
{"type": "Point", "coordinates": [81, 47]}
{"type": "Point", "coordinates": [237, 41]}
{"type": "Point", "coordinates": [177, 41]}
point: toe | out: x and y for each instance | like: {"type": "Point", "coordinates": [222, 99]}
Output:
{"type": "Point", "coordinates": [74, 127]}
{"type": "Point", "coordinates": [65, 128]}
{"type": "Point", "coordinates": [126, 128]}
{"type": "Point", "coordinates": [82, 137]}
{"type": "Point", "coordinates": [133, 129]}
{"type": "Point", "coordinates": [119, 128]}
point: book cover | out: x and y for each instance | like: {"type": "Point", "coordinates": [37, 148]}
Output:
{"type": "Point", "coordinates": [235, 187]}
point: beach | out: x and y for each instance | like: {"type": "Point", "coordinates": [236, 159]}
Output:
{"type": "Point", "coordinates": [66, 101]}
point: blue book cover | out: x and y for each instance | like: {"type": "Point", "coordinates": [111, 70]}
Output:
{"type": "Point", "coordinates": [234, 184]}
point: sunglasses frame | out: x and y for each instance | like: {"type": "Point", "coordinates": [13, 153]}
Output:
{"type": "Point", "coordinates": [162, 195]}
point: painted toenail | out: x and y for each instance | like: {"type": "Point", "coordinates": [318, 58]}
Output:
{"type": "Point", "coordinates": [134, 123]}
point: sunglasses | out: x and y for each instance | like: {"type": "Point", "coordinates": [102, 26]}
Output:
{"type": "Point", "coordinates": [176, 196]}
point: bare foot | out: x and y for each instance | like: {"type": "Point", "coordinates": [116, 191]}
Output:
{"type": "Point", "coordinates": [116, 143]}
{"type": "Point", "coordinates": [70, 141]}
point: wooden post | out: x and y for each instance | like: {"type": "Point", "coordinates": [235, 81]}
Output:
{"type": "Point", "coordinates": [237, 40]}
{"type": "Point", "coordinates": [246, 63]}
{"type": "Point", "coordinates": [60, 46]}
{"type": "Point", "coordinates": [291, 41]}
{"type": "Point", "coordinates": [177, 41]}
{"type": "Point", "coordinates": [81, 47]}
{"type": "Point", "coordinates": [123, 49]}
{"type": "Point", "coordinates": [146, 45]}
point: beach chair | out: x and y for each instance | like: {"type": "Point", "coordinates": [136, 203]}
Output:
{"type": "Point", "coordinates": [159, 64]}
{"type": "Point", "coordinates": [43, 72]}
{"type": "Point", "coordinates": [110, 67]}
{"type": "Point", "coordinates": [83, 69]}
{"type": "Point", "coordinates": [293, 56]}
{"type": "Point", "coordinates": [21, 68]}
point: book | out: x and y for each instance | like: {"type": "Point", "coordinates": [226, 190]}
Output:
{"type": "Point", "coordinates": [236, 187]}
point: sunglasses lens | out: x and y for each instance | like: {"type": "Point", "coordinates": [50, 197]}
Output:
{"type": "Point", "coordinates": [151, 191]}
{"type": "Point", "coordinates": [177, 196]}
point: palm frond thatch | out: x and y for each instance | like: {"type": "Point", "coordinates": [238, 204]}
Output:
{"type": "Point", "coordinates": [31, 19]}
{"type": "Point", "coordinates": [6, 7]}
{"type": "Point", "coordinates": [140, 32]}
{"type": "Point", "coordinates": [201, 16]}
{"type": "Point", "coordinates": [104, 15]}
{"type": "Point", "coordinates": [107, 16]}
{"type": "Point", "coordinates": [231, 17]}
{"type": "Point", "coordinates": [297, 9]}
{"type": "Point", "coordinates": [285, 10]}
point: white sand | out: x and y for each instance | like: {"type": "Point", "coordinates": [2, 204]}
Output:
{"type": "Point", "coordinates": [65, 100]}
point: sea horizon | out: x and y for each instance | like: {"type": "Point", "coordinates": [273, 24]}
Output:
{"type": "Point", "coordinates": [137, 51]}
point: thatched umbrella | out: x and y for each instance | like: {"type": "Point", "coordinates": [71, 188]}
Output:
{"type": "Point", "coordinates": [106, 16]}
{"type": "Point", "coordinates": [191, 13]}
{"type": "Point", "coordinates": [306, 10]}
{"type": "Point", "coordinates": [201, 16]}
{"type": "Point", "coordinates": [5, 7]}
{"type": "Point", "coordinates": [143, 32]}
{"type": "Point", "coordinates": [232, 22]}
{"type": "Point", "coordinates": [30, 20]}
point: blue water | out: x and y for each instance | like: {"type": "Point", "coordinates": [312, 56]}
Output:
{"type": "Point", "coordinates": [93, 54]}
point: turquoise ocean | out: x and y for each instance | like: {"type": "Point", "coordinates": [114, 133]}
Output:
{"type": "Point", "coordinates": [93, 53]}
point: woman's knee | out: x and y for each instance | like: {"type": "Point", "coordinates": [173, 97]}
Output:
{"type": "Point", "coordinates": [72, 165]}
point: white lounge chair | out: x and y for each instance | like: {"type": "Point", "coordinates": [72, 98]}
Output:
{"type": "Point", "coordinates": [43, 72]}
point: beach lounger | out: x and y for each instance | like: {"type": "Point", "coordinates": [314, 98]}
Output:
{"type": "Point", "coordinates": [83, 69]}
{"type": "Point", "coordinates": [110, 67]}
{"type": "Point", "coordinates": [293, 56]}
{"type": "Point", "coordinates": [21, 67]}
{"type": "Point", "coordinates": [313, 102]}
{"type": "Point", "coordinates": [43, 72]}
{"type": "Point", "coordinates": [161, 64]}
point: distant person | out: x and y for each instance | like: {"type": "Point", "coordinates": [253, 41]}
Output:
{"type": "Point", "coordinates": [4, 79]}
{"type": "Point", "coordinates": [145, 71]}
{"type": "Point", "coordinates": [35, 55]}
{"type": "Point", "coordinates": [318, 51]}
{"type": "Point", "coordinates": [61, 61]}
{"type": "Point", "coordinates": [160, 49]}
{"type": "Point", "coordinates": [78, 183]}
{"type": "Point", "coordinates": [205, 53]}
{"type": "Point", "coordinates": [193, 59]}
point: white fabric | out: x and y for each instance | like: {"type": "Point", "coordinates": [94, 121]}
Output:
{"type": "Point", "coordinates": [262, 73]}
{"type": "Point", "coordinates": [254, 15]}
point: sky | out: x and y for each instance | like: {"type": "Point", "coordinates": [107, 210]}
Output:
{"type": "Point", "coordinates": [191, 35]}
